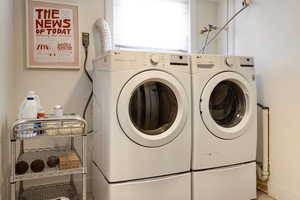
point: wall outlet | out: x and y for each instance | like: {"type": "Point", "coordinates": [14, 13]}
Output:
{"type": "Point", "coordinates": [85, 39]}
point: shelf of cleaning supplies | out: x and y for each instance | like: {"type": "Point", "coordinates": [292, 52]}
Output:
{"type": "Point", "coordinates": [50, 126]}
{"type": "Point", "coordinates": [74, 129]}
{"type": "Point", "coordinates": [43, 154]}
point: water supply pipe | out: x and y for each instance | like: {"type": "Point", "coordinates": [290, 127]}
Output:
{"type": "Point", "coordinates": [263, 171]}
{"type": "Point", "coordinates": [246, 4]}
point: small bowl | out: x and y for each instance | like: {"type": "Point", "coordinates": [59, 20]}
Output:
{"type": "Point", "coordinates": [52, 161]}
{"type": "Point", "coordinates": [21, 167]}
{"type": "Point", "coordinates": [37, 166]}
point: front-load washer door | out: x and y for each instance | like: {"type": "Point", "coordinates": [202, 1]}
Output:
{"type": "Point", "coordinates": [226, 105]}
{"type": "Point", "coordinates": [152, 108]}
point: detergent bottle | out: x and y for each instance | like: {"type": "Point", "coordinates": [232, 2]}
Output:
{"type": "Point", "coordinates": [29, 110]}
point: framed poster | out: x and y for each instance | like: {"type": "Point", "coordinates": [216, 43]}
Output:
{"type": "Point", "coordinates": [52, 35]}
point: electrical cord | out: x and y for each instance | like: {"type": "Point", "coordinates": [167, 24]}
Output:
{"type": "Point", "coordinates": [87, 104]}
{"type": "Point", "coordinates": [85, 64]}
{"type": "Point", "coordinates": [245, 5]}
{"type": "Point", "coordinates": [85, 43]}
{"type": "Point", "coordinates": [91, 80]}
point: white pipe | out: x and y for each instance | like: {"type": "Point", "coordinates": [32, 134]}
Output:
{"type": "Point", "coordinates": [247, 2]}
{"type": "Point", "coordinates": [105, 35]}
{"type": "Point", "coordinates": [263, 171]}
{"type": "Point", "coordinates": [262, 176]}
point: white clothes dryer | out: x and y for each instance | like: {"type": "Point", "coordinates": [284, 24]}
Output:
{"type": "Point", "coordinates": [224, 128]}
{"type": "Point", "coordinates": [224, 111]}
{"type": "Point", "coordinates": [142, 118]}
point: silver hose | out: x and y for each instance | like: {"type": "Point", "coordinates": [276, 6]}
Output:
{"type": "Point", "coordinates": [245, 5]}
{"type": "Point", "coordinates": [206, 40]}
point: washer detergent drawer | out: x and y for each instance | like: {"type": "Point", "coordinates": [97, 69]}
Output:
{"type": "Point", "coordinates": [176, 187]}
{"type": "Point", "coordinates": [227, 183]}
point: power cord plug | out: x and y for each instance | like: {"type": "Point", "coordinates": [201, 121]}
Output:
{"type": "Point", "coordinates": [85, 40]}
{"type": "Point", "coordinates": [86, 44]}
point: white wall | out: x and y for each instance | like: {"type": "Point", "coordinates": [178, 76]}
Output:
{"type": "Point", "coordinates": [7, 89]}
{"type": "Point", "coordinates": [269, 31]}
{"type": "Point", "coordinates": [204, 12]}
{"type": "Point", "coordinates": [224, 42]}
{"type": "Point", "coordinates": [69, 88]}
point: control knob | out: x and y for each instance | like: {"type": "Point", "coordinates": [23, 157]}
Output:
{"type": "Point", "coordinates": [154, 59]}
{"type": "Point", "coordinates": [229, 61]}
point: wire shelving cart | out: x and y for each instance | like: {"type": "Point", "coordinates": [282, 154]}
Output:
{"type": "Point", "coordinates": [68, 127]}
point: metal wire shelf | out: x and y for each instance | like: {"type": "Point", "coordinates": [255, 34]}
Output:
{"type": "Point", "coordinates": [66, 126]}
{"type": "Point", "coordinates": [46, 192]}
{"type": "Point", "coordinates": [43, 154]}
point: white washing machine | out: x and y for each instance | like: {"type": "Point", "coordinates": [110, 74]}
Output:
{"type": "Point", "coordinates": [142, 118]}
{"type": "Point", "coordinates": [224, 127]}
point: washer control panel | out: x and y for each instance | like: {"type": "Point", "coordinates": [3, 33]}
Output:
{"type": "Point", "coordinates": [229, 61]}
{"type": "Point", "coordinates": [182, 60]}
{"type": "Point", "coordinates": [155, 59]}
{"type": "Point", "coordinates": [205, 62]}
{"type": "Point", "coordinates": [247, 62]}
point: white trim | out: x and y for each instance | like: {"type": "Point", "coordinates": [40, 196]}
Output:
{"type": "Point", "coordinates": [124, 118]}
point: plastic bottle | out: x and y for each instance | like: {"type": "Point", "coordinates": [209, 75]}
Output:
{"type": "Point", "coordinates": [40, 107]}
{"type": "Point", "coordinates": [41, 114]}
{"type": "Point", "coordinates": [58, 111]}
{"type": "Point", "coordinates": [29, 110]}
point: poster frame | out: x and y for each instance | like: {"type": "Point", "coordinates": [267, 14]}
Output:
{"type": "Point", "coordinates": [71, 66]}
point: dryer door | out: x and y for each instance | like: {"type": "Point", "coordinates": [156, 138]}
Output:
{"type": "Point", "coordinates": [227, 104]}
{"type": "Point", "coordinates": [152, 108]}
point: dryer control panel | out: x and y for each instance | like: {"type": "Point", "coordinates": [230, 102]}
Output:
{"type": "Point", "coordinates": [247, 62]}
{"type": "Point", "coordinates": [179, 60]}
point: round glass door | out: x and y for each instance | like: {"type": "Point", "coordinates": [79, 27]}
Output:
{"type": "Point", "coordinates": [152, 108]}
{"type": "Point", "coordinates": [227, 105]}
